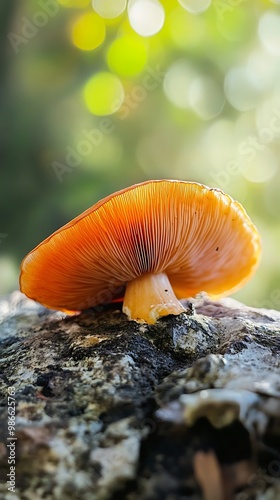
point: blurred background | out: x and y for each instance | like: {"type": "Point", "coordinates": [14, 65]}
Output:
{"type": "Point", "coordinates": [97, 95]}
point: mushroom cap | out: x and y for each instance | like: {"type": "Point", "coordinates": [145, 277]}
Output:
{"type": "Point", "coordinates": [198, 236]}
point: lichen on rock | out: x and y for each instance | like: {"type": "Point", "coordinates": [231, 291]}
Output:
{"type": "Point", "coordinates": [107, 408]}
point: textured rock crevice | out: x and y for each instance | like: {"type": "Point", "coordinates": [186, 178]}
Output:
{"type": "Point", "coordinates": [107, 408]}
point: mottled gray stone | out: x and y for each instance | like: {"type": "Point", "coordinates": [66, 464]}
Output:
{"type": "Point", "coordinates": [107, 408]}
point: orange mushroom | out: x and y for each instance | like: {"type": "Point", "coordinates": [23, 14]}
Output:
{"type": "Point", "coordinates": [150, 244]}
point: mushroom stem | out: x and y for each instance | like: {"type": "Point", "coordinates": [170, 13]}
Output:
{"type": "Point", "coordinates": [149, 297]}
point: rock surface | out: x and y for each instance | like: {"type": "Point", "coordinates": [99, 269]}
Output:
{"type": "Point", "coordinates": [105, 408]}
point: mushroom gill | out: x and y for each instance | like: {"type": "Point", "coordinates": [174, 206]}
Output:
{"type": "Point", "coordinates": [160, 241]}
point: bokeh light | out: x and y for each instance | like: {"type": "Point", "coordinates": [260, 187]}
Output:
{"type": "Point", "coordinates": [103, 94]}
{"type": "Point", "coordinates": [88, 31]}
{"type": "Point", "coordinates": [146, 16]}
{"type": "Point", "coordinates": [127, 55]}
{"type": "Point", "coordinates": [241, 89]}
{"type": "Point", "coordinates": [191, 91]}
{"type": "Point", "coordinates": [262, 68]}
{"type": "Point", "coordinates": [110, 9]}
{"type": "Point", "coordinates": [206, 98]}
{"type": "Point", "coordinates": [262, 168]}
{"type": "Point", "coordinates": [185, 88]}
{"type": "Point", "coordinates": [195, 6]}
{"type": "Point", "coordinates": [177, 83]}
{"type": "Point", "coordinates": [269, 31]}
